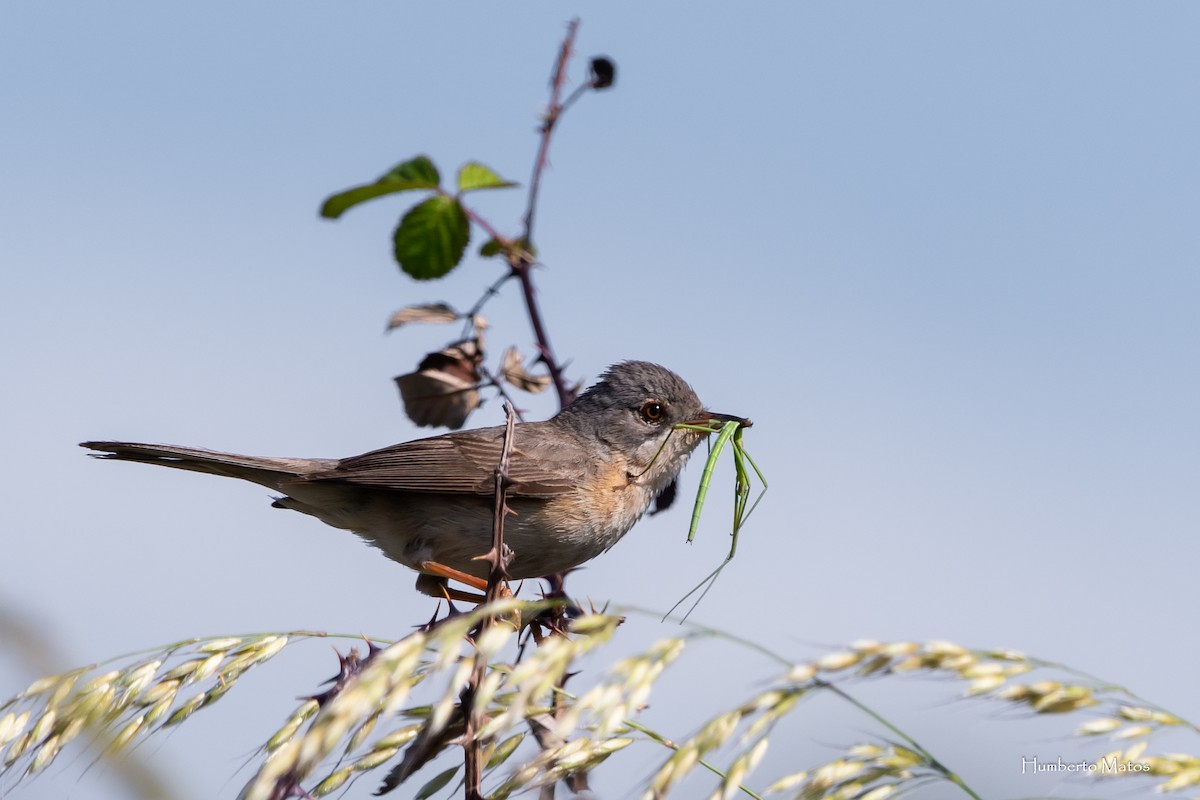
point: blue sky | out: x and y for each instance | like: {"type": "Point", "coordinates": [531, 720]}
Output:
{"type": "Point", "coordinates": [943, 254]}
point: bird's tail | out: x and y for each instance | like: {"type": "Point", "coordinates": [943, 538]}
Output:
{"type": "Point", "coordinates": [269, 472]}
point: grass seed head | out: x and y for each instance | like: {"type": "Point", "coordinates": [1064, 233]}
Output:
{"type": "Point", "coordinates": [184, 711]}
{"type": "Point", "coordinates": [1181, 780]}
{"type": "Point", "coordinates": [45, 754]}
{"type": "Point", "coordinates": [1133, 732]}
{"type": "Point", "coordinates": [876, 663]}
{"type": "Point", "coordinates": [45, 723]}
{"type": "Point", "coordinates": [125, 735]}
{"type": "Point", "coordinates": [801, 673]}
{"type": "Point", "coordinates": [18, 748]}
{"type": "Point", "coordinates": [374, 758]}
{"type": "Point", "coordinates": [879, 792]}
{"type": "Point", "coordinates": [836, 661]}
{"type": "Point", "coordinates": [1098, 726]}
{"type": "Point", "coordinates": [787, 782]}
{"type": "Point", "coordinates": [983, 685]}
{"type": "Point", "coordinates": [71, 730]}
{"type": "Point", "coordinates": [159, 710]}
{"type": "Point", "coordinates": [11, 726]}
{"type": "Point", "coordinates": [163, 689]}
{"type": "Point", "coordinates": [62, 689]}
{"type": "Point", "coordinates": [1064, 700]}
{"type": "Point", "coordinates": [1135, 713]}
{"type": "Point", "coordinates": [333, 782]}
{"type": "Point", "coordinates": [900, 649]}
{"type": "Point", "coordinates": [40, 686]}
{"type": "Point", "coordinates": [944, 648]}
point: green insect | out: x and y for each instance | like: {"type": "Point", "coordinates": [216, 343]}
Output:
{"type": "Point", "coordinates": [726, 431]}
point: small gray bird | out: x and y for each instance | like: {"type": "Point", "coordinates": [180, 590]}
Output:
{"type": "Point", "coordinates": [579, 481]}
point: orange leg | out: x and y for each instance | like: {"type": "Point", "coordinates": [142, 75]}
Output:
{"type": "Point", "coordinates": [432, 569]}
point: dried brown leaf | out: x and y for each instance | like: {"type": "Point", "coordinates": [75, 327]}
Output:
{"type": "Point", "coordinates": [444, 389]}
{"type": "Point", "coordinates": [514, 371]}
{"type": "Point", "coordinates": [427, 313]}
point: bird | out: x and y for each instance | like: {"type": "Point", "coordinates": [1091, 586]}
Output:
{"type": "Point", "coordinates": [577, 482]}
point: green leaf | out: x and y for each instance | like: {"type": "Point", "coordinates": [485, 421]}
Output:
{"type": "Point", "coordinates": [474, 175]}
{"type": "Point", "coordinates": [436, 784]}
{"type": "Point", "coordinates": [416, 173]}
{"type": "Point", "coordinates": [431, 238]}
{"type": "Point", "coordinates": [504, 750]}
{"type": "Point", "coordinates": [418, 168]}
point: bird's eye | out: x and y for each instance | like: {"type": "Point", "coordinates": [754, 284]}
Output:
{"type": "Point", "coordinates": [652, 411]}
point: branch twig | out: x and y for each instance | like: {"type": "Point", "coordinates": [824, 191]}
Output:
{"type": "Point", "coordinates": [548, 122]}
{"type": "Point", "coordinates": [521, 268]}
{"type": "Point", "coordinates": [521, 264]}
{"type": "Point", "coordinates": [500, 554]}
{"type": "Point", "coordinates": [496, 383]}
{"type": "Point", "coordinates": [498, 557]}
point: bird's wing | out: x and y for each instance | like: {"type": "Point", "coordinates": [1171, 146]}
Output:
{"type": "Point", "coordinates": [465, 463]}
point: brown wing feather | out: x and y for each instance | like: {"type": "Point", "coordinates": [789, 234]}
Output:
{"type": "Point", "coordinates": [463, 463]}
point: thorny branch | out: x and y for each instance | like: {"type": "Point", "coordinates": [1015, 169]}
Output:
{"type": "Point", "coordinates": [519, 256]}
{"type": "Point", "coordinates": [501, 555]}
{"type": "Point", "coordinates": [498, 557]}
{"type": "Point", "coordinates": [494, 381]}
{"type": "Point", "coordinates": [519, 261]}
{"type": "Point", "coordinates": [566, 393]}
{"type": "Point", "coordinates": [553, 111]}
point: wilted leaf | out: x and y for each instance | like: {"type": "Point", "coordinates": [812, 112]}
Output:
{"type": "Point", "coordinates": [527, 246]}
{"type": "Point", "coordinates": [433, 399]}
{"type": "Point", "coordinates": [431, 238]}
{"type": "Point", "coordinates": [492, 248]}
{"type": "Point", "coordinates": [426, 312]}
{"type": "Point", "coordinates": [444, 389]}
{"type": "Point", "coordinates": [474, 175]}
{"type": "Point", "coordinates": [515, 373]}
{"type": "Point", "coordinates": [416, 173]}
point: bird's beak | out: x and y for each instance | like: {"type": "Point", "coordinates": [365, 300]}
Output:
{"type": "Point", "coordinates": [706, 417]}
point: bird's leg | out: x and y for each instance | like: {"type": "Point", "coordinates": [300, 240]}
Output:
{"type": "Point", "coordinates": [435, 586]}
{"type": "Point", "coordinates": [429, 583]}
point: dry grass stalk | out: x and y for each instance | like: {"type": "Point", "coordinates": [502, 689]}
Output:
{"type": "Point", "coordinates": [875, 771]}
{"type": "Point", "coordinates": [443, 658]}
{"type": "Point", "coordinates": [118, 706]}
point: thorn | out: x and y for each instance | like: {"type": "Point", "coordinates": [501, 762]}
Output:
{"type": "Point", "coordinates": [428, 626]}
